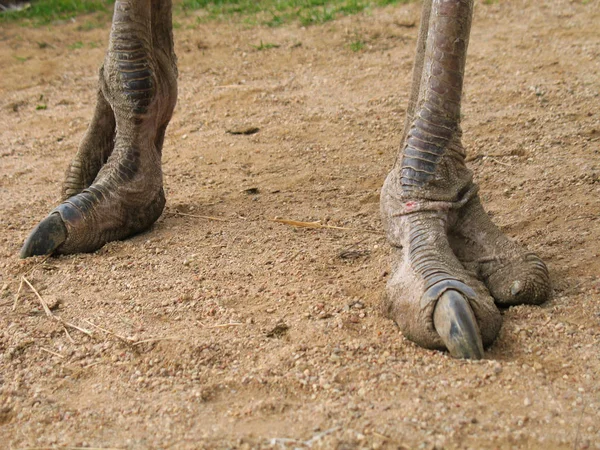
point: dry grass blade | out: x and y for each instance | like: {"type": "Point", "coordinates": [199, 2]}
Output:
{"type": "Point", "coordinates": [132, 341]}
{"type": "Point", "coordinates": [589, 216]}
{"type": "Point", "coordinates": [123, 338]}
{"type": "Point", "coordinates": [299, 224]}
{"type": "Point", "coordinates": [52, 316]}
{"type": "Point", "coordinates": [17, 295]}
{"type": "Point", "coordinates": [68, 334]}
{"type": "Point", "coordinates": [42, 301]}
{"type": "Point", "coordinates": [52, 353]}
{"type": "Point", "coordinates": [482, 155]}
{"type": "Point", "coordinates": [75, 327]}
{"type": "Point", "coordinates": [145, 341]}
{"type": "Point", "coordinates": [218, 219]}
{"type": "Point", "coordinates": [233, 86]}
{"type": "Point", "coordinates": [71, 448]}
{"type": "Point", "coordinates": [381, 436]}
{"type": "Point", "coordinates": [499, 162]}
{"type": "Point", "coordinates": [31, 269]}
{"type": "Point", "coordinates": [318, 225]}
{"type": "Point", "coordinates": [226, 325]}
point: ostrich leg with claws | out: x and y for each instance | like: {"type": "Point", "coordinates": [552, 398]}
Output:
{"type": "Point", "coordinates": [113, 187]}
{"type": "Point", "coordinates": [451, 264]}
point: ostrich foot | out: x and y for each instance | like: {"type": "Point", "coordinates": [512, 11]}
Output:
{"type": "Point", "coordinates": [450, 268]}
{"type": "Point", "coordinates": [113, 188]}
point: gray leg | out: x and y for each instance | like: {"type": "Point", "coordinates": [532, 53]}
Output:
{"type": "Point", "coordinates": [113, 188]}
{"type": "Point", "coordinates": [448, 256]}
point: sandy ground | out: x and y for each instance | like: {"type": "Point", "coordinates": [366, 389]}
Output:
{"type": "Point", "coordinates": [242, 332]}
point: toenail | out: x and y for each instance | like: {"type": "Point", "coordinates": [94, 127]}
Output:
{"type": "Point", "coordinates": [516, 287]}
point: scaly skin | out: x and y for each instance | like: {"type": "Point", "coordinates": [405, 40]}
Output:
{"type": "Point", "coordinates": [94, 150]}
{"type": "Point", "coordinates": [445, 246]}
{"type": "Point", "coordinates": [113, 187]}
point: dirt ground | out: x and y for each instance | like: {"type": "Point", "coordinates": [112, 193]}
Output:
{"type": "Point", "coordinates": [241, 332]}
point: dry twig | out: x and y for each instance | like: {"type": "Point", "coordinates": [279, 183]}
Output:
{"type": "Point", "coordinates": [497, 161]}
{"type": "Point", "coordinates": [218, 219]}
{"type": "Point", "coordinates": [226, 325]}
{"type": "Point", "coordinates": [17, 295]}
{"type": "Point", "coordinates": [118, 336]}
{"type": "Point", "coordinates": [71, 448]}
{"type": "Point", "coordinates": [168, 338]}
{"type": "Point", "coordinates": [589, 216]}
{"type": "Point", "coordinates": [299, 224]}
{"type": "Point", "coordinates": [75, 327]}
{"type": "Point", "coordinates": [381, 436]}
{"type": "Point", "coordinates": [52, 316]}
{"type": "Point", "coordinates": [29, 272]}
{"type": "Point", "coordinates": [481, 156]}
{"type": "Point", "coordinates": [319, 225]}
{"type": "Point", "coordinates": [71, 340]}
{"type": "Point", "coordinates": [131, 341]}
{"type": "Point", "coordinates": [42, 301]}
{"type": "Point", "coordinates": [52, 353]}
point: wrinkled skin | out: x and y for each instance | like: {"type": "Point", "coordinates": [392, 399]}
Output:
{"type": "Point", "coordinates": [451, 265]}
{"type": "Point", "coordinates": [113, 187]}
{"type": "Point", "coordinates": [446, 251]}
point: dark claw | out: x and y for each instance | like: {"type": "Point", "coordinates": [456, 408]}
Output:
{"type": "Point", "coordinates": [46, 237]}
{"type": "Point", "coordinates": [455, 322]}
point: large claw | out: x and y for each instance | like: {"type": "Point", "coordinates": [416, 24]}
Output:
{"type": "Point", "coordinates": [455, 322]}
{"type": "Point", "coordinates": [50, 234]}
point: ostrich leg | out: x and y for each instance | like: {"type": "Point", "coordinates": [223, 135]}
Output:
{"type": "Point", "coordinates": [113, 187]}
{"type": "Point", "coordinates": [451, 264]}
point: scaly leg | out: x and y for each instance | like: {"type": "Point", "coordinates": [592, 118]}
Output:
{"type": "Point", "coordinates": [448, 257]}
{"type": "Point", "coordinates": [113, 187]}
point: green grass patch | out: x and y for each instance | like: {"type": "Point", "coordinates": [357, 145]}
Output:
{"type": "Point", "coordinates": [98, 22]}
{"type": "Point", "coordinates": [265, 46]}
{"type": "Point", "coordinates": [357, 45]}
{"type": "Point", "coordinates": [41, 12]}
{"type": "Point", "coordinates": [275, 13]}
{"type": "Point", "coordinates": [272, 13]}
{"type": "Point", "coordinates": [76, 45]}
